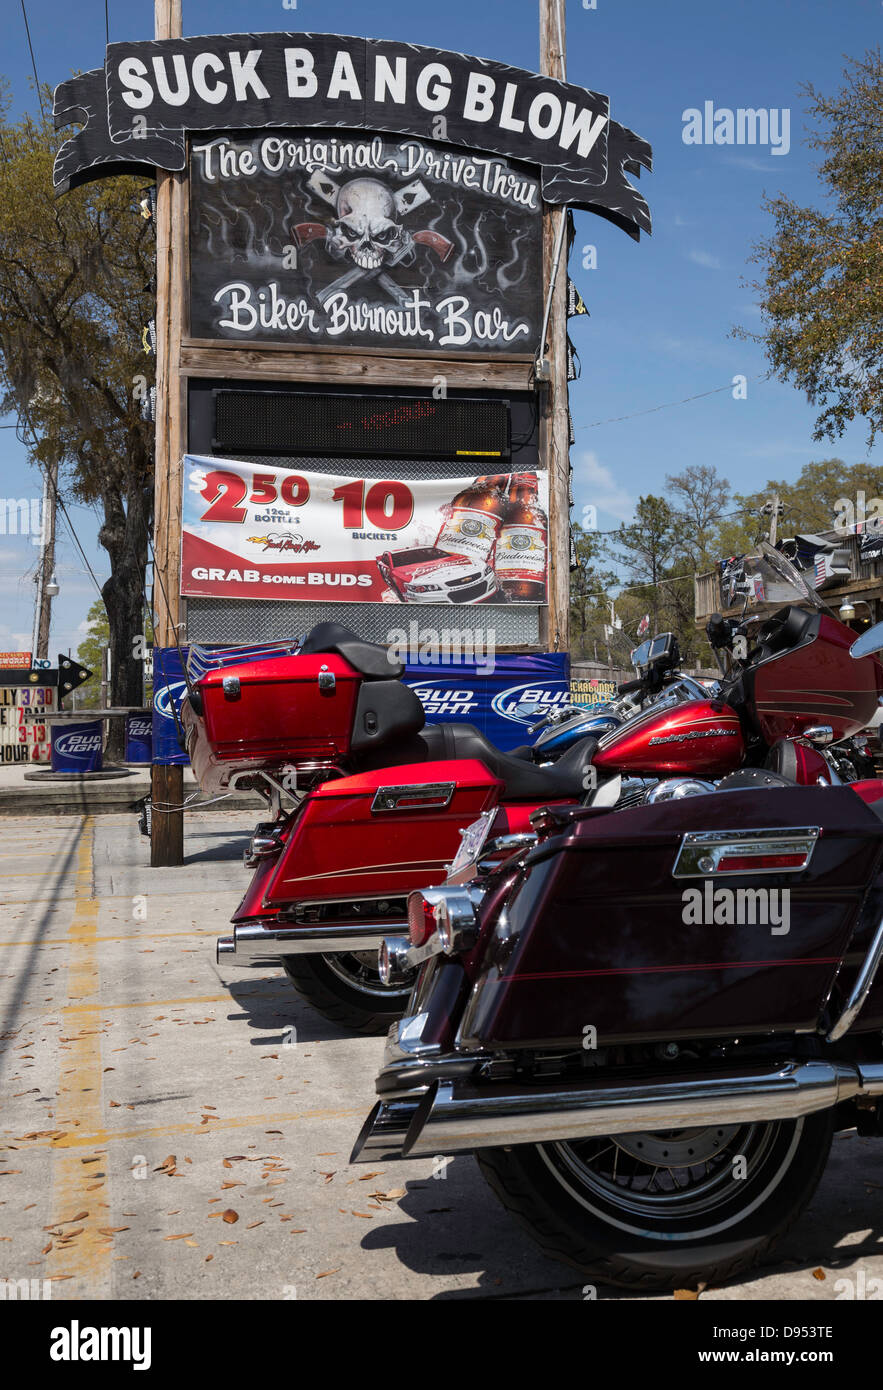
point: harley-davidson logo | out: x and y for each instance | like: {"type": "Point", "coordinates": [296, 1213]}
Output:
{"type": "Point", "coordinates": [694, 733]}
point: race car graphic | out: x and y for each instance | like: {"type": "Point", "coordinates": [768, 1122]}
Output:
{"type": "Point", "coordinates": [429, 575]}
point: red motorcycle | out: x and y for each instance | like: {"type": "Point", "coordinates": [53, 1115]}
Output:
{"type": "Point", "coordinates": [383, 805]}
{"type": "Point", "coordinates": [331, 878]}
{"type": "Point", "coordinates": [647, 1024]}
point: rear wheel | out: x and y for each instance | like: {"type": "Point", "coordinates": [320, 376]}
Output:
{"type": "Point", "coordinates": [668, 1209]}
{"type": "Point", "coordinates": [347, 988]}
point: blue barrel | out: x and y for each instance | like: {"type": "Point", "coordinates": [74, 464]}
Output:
{"type": "Point", "coordinates": [77, 747]}
{"type": "Point", "coordinates": [139, 738]}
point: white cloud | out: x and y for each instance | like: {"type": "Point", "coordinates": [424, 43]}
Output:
{"type": "Point", "coordinates": [705, 259]}
{"type": "Point", "coordinates": [594, 485]}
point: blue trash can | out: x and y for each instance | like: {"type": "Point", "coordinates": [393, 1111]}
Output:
{"type": "Point", "coordinates": [139, 738]}
{"type": "Point", "coordinates": [77, 747]}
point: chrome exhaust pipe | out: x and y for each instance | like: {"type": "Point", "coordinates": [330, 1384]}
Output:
{"type": "Point", "coordinates": [458, 1115]}
{"type": "Point", "coordinates": [253, 940]}
{"type": "Point", "coordinates": [383, 1133]}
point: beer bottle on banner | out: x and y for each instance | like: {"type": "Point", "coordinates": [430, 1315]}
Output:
{"type": "Point", "coordinates": [474, 518]}
{"type": "Point", "coordinates": [521, 548]}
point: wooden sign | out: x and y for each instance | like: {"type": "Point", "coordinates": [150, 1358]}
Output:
{"type": "Point", "coordinates": [363, 242]}
{"type": "Point", "coordinates": [141, 106]}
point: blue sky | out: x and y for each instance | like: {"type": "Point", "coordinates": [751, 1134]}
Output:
{"type": "Point", "coordinates": [661, 311]}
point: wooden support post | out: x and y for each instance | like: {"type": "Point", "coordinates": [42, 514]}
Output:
{"type": "Point", "coordinates": [167, 826]}
{"type": "Point", "coordinates": [554, 433]}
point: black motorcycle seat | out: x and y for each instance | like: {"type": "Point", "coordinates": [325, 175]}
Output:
{"type": "Point", "coordinates": [370, 659]}
{"type": "Point", "coordinates": [523, 780]}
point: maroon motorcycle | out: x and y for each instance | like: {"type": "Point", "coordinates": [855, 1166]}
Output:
{"type": "Point", "coordinates": [648, 1024]}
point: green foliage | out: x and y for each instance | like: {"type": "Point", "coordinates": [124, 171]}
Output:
{"type": "Point", "coordinates": [75, 292]}
{"type": "Point", "coordinates": [821, 290]}
{"type": "Point", "coordinates": [89, 654]}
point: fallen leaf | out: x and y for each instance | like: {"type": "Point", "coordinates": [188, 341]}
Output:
{"type": "Point", "coordinates": [230, 1216]}
{"type": "Point", "coordinates": [819, 1274]}
{"type": "Point", "coordinates": [325, 1273]}
{"type": "Point", "coordinates": [185, 1235]}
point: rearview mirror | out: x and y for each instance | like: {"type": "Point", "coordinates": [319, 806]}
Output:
{"type": "Point", "coordinates": [870, 641]}
{"type": "Point", "coordinates": [529, 707]}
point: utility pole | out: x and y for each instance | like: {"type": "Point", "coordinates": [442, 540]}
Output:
{"type": "Point", "coordinates": [775, 508]}
{"type": "Point", "coordinates": [554, 433]}
{"type": "Point", "coordinates": [46, 568]}
{"type": "Point", "coordinates": [167, 826]}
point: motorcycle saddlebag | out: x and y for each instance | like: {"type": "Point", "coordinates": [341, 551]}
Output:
{"type": "Point", "coordinates": [725, 914]}
{"type": "Point", "coordinates": [380, 833]}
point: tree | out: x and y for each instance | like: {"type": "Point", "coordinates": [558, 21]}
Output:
{"type": "Point", "coordinates": [822, 288]}
{"type": "Point", "coordinates": [648, 544]}
{"type": "Point", "coordinates": [89, 653]}
{"type": "Point", "coordinates": [699, 498]}
{"type": "Point", "coordinates": [589, 588]}
{"type": "Point", "coordinates": [75, 293]}
{"type": "Point", "coordinates": [813, 502]}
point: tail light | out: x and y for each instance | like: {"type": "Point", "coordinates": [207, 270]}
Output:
{"type": "Point", "coordinates": [421, 921]}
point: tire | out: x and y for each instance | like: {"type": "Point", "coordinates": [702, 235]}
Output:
{"type": "Point", "coordinates": [347, 989]}
{"type": "Point", "coordinates": [557, 1191]}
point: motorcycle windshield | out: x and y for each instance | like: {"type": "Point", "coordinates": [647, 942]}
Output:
{"type": "Point", "coordinates": [783, 582]}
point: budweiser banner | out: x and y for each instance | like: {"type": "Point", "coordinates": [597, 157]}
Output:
{"type": "Point", "coordinates": [331, 239]}
{"type": "Point", "coordinates": [250, 531]}
{"type": "Point", "coordinates": [139, 108]}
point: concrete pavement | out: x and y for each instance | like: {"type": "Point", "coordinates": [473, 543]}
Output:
{"type": "Point", "coordinates": [173, 1130]}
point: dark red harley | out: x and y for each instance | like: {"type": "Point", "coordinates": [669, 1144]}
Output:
{"type": "Point", "coordinates": [647, 1024]}
{"type": "Point", "coordinates": [387, 800]}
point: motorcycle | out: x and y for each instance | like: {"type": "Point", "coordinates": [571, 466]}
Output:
{"type": "Point", "coordinates": [648, 1023]}
{"type": "Point", "coordinates": [331, 878]}
{"type": "Point", "coordinates": [382, 802]}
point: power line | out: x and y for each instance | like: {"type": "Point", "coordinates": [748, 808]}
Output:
{"type": "Point", "coordinates": [33, 60]}
{"type": "Point", "coordinates": [667, 405]}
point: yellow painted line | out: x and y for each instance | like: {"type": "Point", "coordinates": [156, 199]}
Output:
{"type": "Point", "coordinates": [100, 1137]}
{"type": "Point", "coordinates": [137, 936]}
{"type": "Point", "coordinates": [148, 1004]}
{"type": "Point", "coordinates": [80, 1098]}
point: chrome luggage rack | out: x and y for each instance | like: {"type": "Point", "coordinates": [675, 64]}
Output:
{"type": "Point", "coordinates": [201, 659]}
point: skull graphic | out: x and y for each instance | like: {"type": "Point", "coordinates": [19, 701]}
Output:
{"type": "Point", "coordinates": [366, 229]}
{"type": "Point", "coordinates": [366, 232]}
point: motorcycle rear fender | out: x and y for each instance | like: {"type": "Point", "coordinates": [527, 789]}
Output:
{"type": "Point", "coordinates": [593, 933]}
{"type": "Point", "coordinates": [380, 833]}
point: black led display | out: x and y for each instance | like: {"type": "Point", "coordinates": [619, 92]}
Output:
{"type": "Point", "coordinates": [300, 423]}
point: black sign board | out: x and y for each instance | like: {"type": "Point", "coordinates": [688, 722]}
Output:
{"type": "Point", "coordinates": [363, 242]}
{"type": "Point", "coordinates": [138, 109]}
{"type": "Point", "coordinates": [67, 676]}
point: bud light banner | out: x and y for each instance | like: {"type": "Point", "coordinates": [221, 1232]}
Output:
{"type": "Point", "coordinates": [77, 747]}
{"type": "Point", "coordinates": [169, 688]}
{"type": "Point", "coordinates": [488, 692]}
{"type": "Point", "coordinates": [252, 531]}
